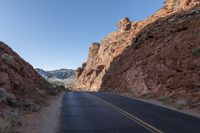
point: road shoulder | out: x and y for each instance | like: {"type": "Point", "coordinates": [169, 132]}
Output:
{"type": "Point", "coordinates": [46, 120]}
{"type": "Point", "coordinates": [191, 112]}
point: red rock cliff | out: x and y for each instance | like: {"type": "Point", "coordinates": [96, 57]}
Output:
{"type": "Point", "coordinates": [155, 57]}
{"type": "Point", "coordinates": [18, 77]}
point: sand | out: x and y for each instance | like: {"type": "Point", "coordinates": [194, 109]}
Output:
{"type": "Point", "coordinates": [46, 120]}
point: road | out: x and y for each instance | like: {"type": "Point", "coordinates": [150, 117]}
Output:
{"type": "Point", "coordinates": [84, 112]}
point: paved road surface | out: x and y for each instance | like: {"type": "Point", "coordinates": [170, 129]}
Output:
{"type": "Point", "coordinates": [108, 113]}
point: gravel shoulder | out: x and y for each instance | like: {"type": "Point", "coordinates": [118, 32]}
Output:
{"type": "Point", "coordinates": [190, 112]}
{"type": "Point", "coordinates": [46, 120]}
{"type": "Point", "coordinates": [185, 111]}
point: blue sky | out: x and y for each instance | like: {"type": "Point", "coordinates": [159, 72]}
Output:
{"type": "Point", "coordinates": [52, 34]}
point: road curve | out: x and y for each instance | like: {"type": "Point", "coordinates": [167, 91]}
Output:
{"type": "Point", "coordinates": [84, 112]}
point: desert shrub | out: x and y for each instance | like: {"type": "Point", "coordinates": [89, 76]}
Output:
{"type": "Point", "coordinates": [32, 91]}
{"type": "Point", "coordinates": [166, 100]}
{"type": "Point", "coordinates": [8, 122]}
{"type": "Point", "coordinates": [181, 104]}
{"type": "Point", "coordinates": [52, 91]}
{"type": "Point", "coordinates": [31, 105]}
{"type": "Point", "coordinates": [55, 89]}
{"type": "Point", "coordinates": [148, 95]}
{"type": "Point", "coordinates": [7, 98]}
{"type": "Point", "coordinates": [7, 58]}
{"type": "Point", "coordinates": [196, 52]}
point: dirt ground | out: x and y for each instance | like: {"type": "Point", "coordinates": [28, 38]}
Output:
{"type": "Point", "coordinates": [46, 120]}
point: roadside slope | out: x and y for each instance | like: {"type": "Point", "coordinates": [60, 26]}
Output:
{"type": "Point", "coordinates": [22, 89]}
{"type": "Point", "coordinates": [46, 120]}
{"type": "Point", "coordinates": [18, 77]}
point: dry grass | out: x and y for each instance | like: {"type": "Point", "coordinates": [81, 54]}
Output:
{"type": "Point", "coordinates": [181, 104]}
{"type": "Point", "coordinates": [9, 122]}
{"type": "Point", "coordinates": [166, 100]}
{"type": "Point", "coordinates": [7, 97]}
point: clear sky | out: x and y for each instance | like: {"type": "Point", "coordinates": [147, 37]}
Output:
{"type": "Point", "coordinates": [52, 34]}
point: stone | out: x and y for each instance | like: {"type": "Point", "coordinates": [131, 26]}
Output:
{"type": "Point", "coordinates": [124, 24]}
{"type": "Point", "coordinates": [161, 57]}
{"type": "Point", "coordinates": [18, 77]}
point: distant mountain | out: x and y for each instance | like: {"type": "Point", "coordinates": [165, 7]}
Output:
{"type": "Point", "coordinates": [57, 74]}
{"type": "Point", "coordinates": [64, 77]}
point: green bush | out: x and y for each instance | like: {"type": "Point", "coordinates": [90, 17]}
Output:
{"type": "Point", "coordinates": [196, 52]}
{"type": "Point", "coordinates": [8, 122]}
{"type": "Point", "coordinates": [7, 57]}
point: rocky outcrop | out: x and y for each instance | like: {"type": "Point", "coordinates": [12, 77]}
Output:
{"type": "Point", "coordinates": [124, 25]}
{"type": "Point", "coordinates": [19, 78]}
{"type": "Point", "coordinates": [160, 62]}
{"type": "Point", "coordinates": [176, 5]}
{"type": "Point", "coordinates": [101, 55]}
{"type": "Point", "coordinates": [152, 58]}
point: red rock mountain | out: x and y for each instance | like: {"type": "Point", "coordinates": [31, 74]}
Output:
{"type": "Point", "coordinates": [159, 56]}
{"type": "Point", "coordinates": [18, 77]}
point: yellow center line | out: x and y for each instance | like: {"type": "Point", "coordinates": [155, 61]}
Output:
{"type": "Point", "coordinates": [131, 117]}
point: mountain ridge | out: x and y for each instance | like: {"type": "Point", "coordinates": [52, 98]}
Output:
{"type": "Point", "coordinates": [64, 77]}
{"type": "Point", "coordinates": [58, 73]}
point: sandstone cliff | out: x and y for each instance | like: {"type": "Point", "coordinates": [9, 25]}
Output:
{"type": "Point", "coordinates": [155, 57]}
{"type": "Point", "coordinates": [22, 90]}
{"type": "Point", "coordinates": [19, 78]}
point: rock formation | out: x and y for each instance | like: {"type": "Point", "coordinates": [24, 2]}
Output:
{"type": "Point", "coordinates": [155, 57]}
{"type": "Point", "coordinates": [19, 78]}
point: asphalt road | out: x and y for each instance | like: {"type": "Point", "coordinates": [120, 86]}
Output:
{"type": "Point", "coordinates": [108, 113]}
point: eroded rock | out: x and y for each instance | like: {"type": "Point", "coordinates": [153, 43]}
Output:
{"type": "Point", "coordinates": [157, 57]}
{"type": "Point", "coordinates": [18, 77]}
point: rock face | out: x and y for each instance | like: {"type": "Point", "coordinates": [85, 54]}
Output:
{"type": "Point", "coordinates": [175, 5]}
{"type": "Point", "coordinates": [101, 55]}
{"type": "Point", "coordinates": [155, 57]}
{"type": "Point", "coordinates": [18, 77]}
